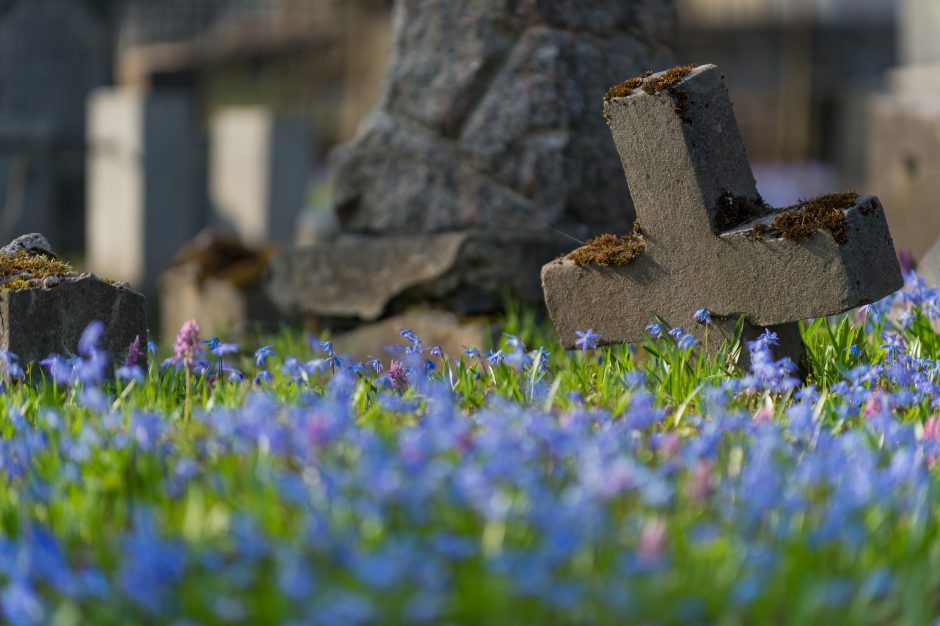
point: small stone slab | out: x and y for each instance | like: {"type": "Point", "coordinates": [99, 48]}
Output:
{"type": "Point", "coordinates": [47, 314]}
{"type": "Point", "coordinates": [685, 165]}
{"type": "Point", "coordinates": [37, 322]}
{"type": "Point", "coordinates": [366, 278]}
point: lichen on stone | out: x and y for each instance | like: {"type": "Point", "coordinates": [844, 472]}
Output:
{"type": "Point", "coordinates": [611, 250]}
{"type": "Point", "coordinates": [653, 84]}
{"type": "Point", "coordinates": [805, 219]}
{"type": "Point", "coordinates": [627, 87]}
{"type": "Point", "coordinates": [34, 265]}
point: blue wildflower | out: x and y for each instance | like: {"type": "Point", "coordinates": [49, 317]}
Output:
{"type": "Point", "coordinates": [702, 316]}
{"type": "Point", "coordinates": [587, 340]}
{"type": "Point", "coordinates": [262, 354]}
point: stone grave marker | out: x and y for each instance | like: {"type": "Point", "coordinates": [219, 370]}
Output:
{"type": "Point", "coordinates": [704, 239]}
{"type": "Point", "coordinates": [143, 181]}
{"type": "Point", "coordinates": [484, 144]}
{"type": "Point", "coordinates": [45, 307]}
{"type": "Point", "coordinates": [903, 151]}
{"type": "Point", "coordinates": [216, 280]}
{"type": "Point", "coordinates": [259, 163]}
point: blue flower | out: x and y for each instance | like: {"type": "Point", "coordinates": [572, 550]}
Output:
{"type": "Point", "coordinates": [130, 372]}
{"type": "Point", "coordinates": [702, 316]}
{"type": "Point", "coordinates": [91, 337]}
{"type": "Point", "coordinates": [655, 330]}
{"type": "Point", "coordinates": [262, 354]}
{"type": "Point", "coordinates": [854, 350]}
{"type": "Point", "coordinates": [472, 353]}
{"type": "Point", "coordinates": [495, 357]}
{"type": "Point", "coordinates": [213, 343]}
{"type": "Point", "coordinates": [375, 364]}
{"type": "Point", "coordinates": [587, 340]}
{"type": "Point", "coordinates": [686, 341]}
{"type": "Point", "coordinates": [677, 332]}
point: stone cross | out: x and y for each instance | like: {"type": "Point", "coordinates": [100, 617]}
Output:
{"type": "Point", "coordinates": [705, 238]}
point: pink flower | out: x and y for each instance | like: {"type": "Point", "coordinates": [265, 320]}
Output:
{"type": "Point", "coordinates": [873, 405]}
{"type": "Point", "coordinates": [398, 374]}
{"type": "Point", "coordinates": [932, 437]}
{"type": "Point", "coordinates": [765, 414]}
{"type": "Point", "coordinates": [187, 342]}
{"type": "Point", "coordinates": [699, 487]}
{"type": "Point", "coordinates": [652, 541]}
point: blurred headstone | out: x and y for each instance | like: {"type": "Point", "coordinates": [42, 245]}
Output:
{"type": "Point", "coordinates": [486, 142]}
{"type": "Point", "coordinates": [52, 54]}
{"type": "Point", "coordinates": [904, 132]}
{"type": "Point", "coordinates": [215, 279]}
{"type": "Point", "coordinates": [259, 167]}
{"type": "Point", "coordinates": [143, 182]}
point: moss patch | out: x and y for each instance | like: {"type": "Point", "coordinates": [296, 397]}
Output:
{"type": "Point", "coordinates": [627, 87]}
{"type": "Point", "coordinates": [664, 81]}
{"type": "Point", "coordinates": [733, 211]}
{"type": "Point", "coordinates": [36, 265]}
{"type": "Point", "coordinates": [809, 217]}
{"type": "Point", "coordinates": [607, 250]}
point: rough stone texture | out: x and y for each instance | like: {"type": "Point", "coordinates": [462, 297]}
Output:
{"type": "Point", "coordinates": [903, 158]}
{"type": "Point", "coordinates": [33, 243]}
{"type": "Point", "coordinates": [258, 170]}
{"type": "Point", "coordinates": [35, 323]}
{"type": "Point", "coordinates": [678, 170]}
{"type": "Point", "coordinates": [436, 328]}
{"type": "Point", "coordinates": [489, 117]}
{"type": "Point", "coordinates": [365, 278]}
{"type": "Point", "coordinates": [143, 201]}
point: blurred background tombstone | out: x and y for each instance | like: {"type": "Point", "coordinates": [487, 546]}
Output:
{"type": "Point", "coordinates": [486, 143]}
{"type": "Point", "coordinates": [215, 279]}
{"type": "Point", "coordinates": [259, 165]}
{"type": "Point", "coordinates": [52, 53]}
{"type": "Point", "coordinates": [904, 139]}
{"type": "Point", "coordinates": [144, 177]}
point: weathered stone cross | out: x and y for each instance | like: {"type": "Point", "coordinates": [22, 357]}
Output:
{"type": "Point", "coordinates": [706, 240]}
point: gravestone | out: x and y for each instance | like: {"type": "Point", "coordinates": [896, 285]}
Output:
{"type": "Point", "coordinates": [52, 54]}
{"type": "Point", "coordinates": [143, 181]}
{"type": "Point", "coordinates": [45, 307]}
{"type": "Point", "coordinates": [704, 237]}
{"type": "Point", "coordinates": [258, 168]}
{"type": "Point", "coordinates": [216, 280]}
{"type": "Point", "coordinates": [485, 143]}
{"type": "Point", "coordinates": [904, 131]}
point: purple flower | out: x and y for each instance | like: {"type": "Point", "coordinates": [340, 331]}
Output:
{"type": "Point", "coordinates": [134, 352]}
{"type": "Point", "coordinates": [187, 342]}
{"type": "Point", "coordinates": [587, 340]}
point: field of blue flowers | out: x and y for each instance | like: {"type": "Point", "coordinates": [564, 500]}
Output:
{"type": "Point", "coordinates": [281, 483]}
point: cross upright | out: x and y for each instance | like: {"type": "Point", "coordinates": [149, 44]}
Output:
{"type": "Point", "coordinates": [706, 239]}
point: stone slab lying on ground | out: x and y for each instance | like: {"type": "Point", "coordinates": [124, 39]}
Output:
{"type": "Point", "coordinates": [706, 240]}
{"type": "Point", "coordinates": [45, 309]}
{"type": "Point", "coordinates": [435, 328]}
{"type": "Point", "coordinates": [365, 278]}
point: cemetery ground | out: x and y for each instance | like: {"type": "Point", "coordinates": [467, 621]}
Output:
{"type": "Point", "coordinates": [278, 482]}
